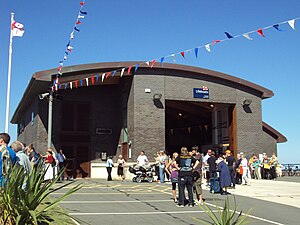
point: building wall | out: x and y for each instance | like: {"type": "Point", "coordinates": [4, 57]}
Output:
{"type": "Point", "coordinates": [269, 144]}
{"type": "Point", "coordinates": [149, 121]}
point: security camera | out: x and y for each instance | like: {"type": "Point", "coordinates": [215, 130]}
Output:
{"type": "Point", "coordinates": [42, 96]}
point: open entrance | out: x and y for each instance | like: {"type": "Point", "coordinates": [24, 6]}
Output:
{"type": "Point", "coordinates": [208, 125]}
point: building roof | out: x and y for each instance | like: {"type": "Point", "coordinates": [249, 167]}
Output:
{"type": "Point", "coordinates": [280, 138]}
{"type": "Point", "coordinates": [41, 81]}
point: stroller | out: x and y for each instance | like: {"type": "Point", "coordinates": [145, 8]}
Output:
{"type": "Point", "coordinates": [142, 173]}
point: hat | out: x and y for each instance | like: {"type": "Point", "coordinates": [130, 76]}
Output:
{"type": "Point", "coordinates": [228, 151]}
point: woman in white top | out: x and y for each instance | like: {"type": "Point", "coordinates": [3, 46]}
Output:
{"type": "Point", "coordinates": [244, 164]}
{"type": "Point", "coordinates": [121, 163]}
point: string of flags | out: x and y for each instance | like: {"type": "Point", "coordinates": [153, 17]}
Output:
{"type": "Point", "coordinates": [131, 69]}
{"type": "Point", "coordinates": [69, 47]}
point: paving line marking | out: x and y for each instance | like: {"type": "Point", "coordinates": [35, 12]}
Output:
{"type": "Point", "coordinates": [112, 202]}
{"type": "Point", "coordinates": [112, 193]}
{"type": "Point", "coordinates": [137, 213]}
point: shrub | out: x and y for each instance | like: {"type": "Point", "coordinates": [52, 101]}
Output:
{"type": "Point", "coordinates": [30, 205]}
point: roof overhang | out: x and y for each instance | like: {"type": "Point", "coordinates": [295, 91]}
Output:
{"type": "Point", "coordinates": [280, 138]}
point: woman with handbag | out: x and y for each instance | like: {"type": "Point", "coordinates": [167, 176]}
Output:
{"type": "Point", "coordinates": [173, 172]}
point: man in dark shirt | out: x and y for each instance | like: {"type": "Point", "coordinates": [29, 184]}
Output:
{"type": "Point", "coordinates": [238, 176]}
{"type": "Point", "coordinates": [185, 165]}
{"type": "Point", "coordinates": [231, 163]}
{"type": "Point", "coordinates": [212, 167]}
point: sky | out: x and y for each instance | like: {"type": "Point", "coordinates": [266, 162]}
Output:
{"type": "Point", "coordinates": [135, 30]}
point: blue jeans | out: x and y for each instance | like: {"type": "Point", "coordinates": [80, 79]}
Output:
{"type": "Point", "coordinates": [186, 181]}
{"type": "Point", "coordinates": [213, 176]}
{"type": "Point", "coordinates": [162, 174]}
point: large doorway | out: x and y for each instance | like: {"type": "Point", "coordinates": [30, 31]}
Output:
{"type": "Point", "coordinates": [207, 125]}
{"type": "Point", "coordinates": [75, 138]}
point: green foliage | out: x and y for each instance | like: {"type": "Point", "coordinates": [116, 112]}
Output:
{"type": "Point", "coordinates": [224, 215]}
{"type": "Point", "coordinates": [30, 205]}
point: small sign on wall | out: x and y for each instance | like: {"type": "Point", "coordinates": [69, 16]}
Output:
{"type": "Point", "coordinates": [202, 92]}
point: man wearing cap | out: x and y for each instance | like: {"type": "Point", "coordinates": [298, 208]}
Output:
{"type": "Point", "coordinates": [231, 164]}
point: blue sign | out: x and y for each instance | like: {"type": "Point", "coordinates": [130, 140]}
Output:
{"type": "Point", "coordinates": [201, 92]}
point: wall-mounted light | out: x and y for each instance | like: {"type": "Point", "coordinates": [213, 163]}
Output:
{"type": "Point", "coordinates": [211, 105]}
{"type": "Point", "coordinates": [157, 97]}
{"type": "Point", "coordinates": [246, 102]}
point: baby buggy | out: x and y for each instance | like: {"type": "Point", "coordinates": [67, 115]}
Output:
{"type": "Point", "coordinates": [142, 173]}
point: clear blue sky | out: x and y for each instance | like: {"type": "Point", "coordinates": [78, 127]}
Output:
{"type": "Point", "coordinates": [143, 30]}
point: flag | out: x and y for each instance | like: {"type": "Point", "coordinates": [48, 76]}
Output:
{"type": "Point", "coordinates": [152, 63]}
{"type": "Point", "coordinates": [292, 24]}
{"type": "Point", "coordinates": [93, 79]}
{"type": "Point", "coordinates": [247, 36]}
{"type": "Point", "coordinates": [215, 42]}
{"type": "Point", "coordinates": [103, 75]}
{"type": "Point", "coordinates": [182, 54]}
{"type": "Point", "coordinates": [81, 3]}
{"type": "Point", "coordinates": [17, 29]}
{"type": "Point", "coordinates": [71, 85]}
{"type": "Point", "coordinates": [83, 13]}
{"type": "Point", "coordinates": [107, 75]}
{"type": "Point", "coordinates": [80, 17]}
{"type": "Point", "coordinates": [97, 78]}
{"type": "Point", "coordinates": [87, 81]}
{"type": "Point", "coordinates": [276, 26]}
{"type": "Point", "coordinates": [113, 74]}
{"type": "Point", "coordinates": [228, 35]}
{"type": "Point", "coordinates": [174, 58]}
{"type": "Point", "coordinates": [122, 71]}
{"type": "Point", "coordinates": [196, 52]}
{"type": "Point", "coordinates": [260, 32]}
{"type": "Point", "coordinates": [162, 60]}
{"type": "Point", "coordinates": [207, 48]}
{"type": "Point", "coordinates": [128, 71]}
{"type": "Point", "coordinates": [76, 83]}
{"type": "Point", "coordinates": [147, 63]}
{"type": "Point", "coordinates": [75, 28]}
{"type": "Point", "coordinates": [136, 67]}
{"type": "Point", "coordinates": [78, 22]}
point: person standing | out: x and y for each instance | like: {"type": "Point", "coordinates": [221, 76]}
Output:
{"type": "Point", "coordinates": [231, 164]}
{"type": "Point", "coordinates": [49, 165]}
{"type": "Point", "coordinates": [142, 159]}
{"type": "Point", "coordinates": [109, 166]}
{"type": "Point", "coordinates": [173, 172]}
{"type": "Point", "coordinates": [212, 166]}
{"type": "Point", "coordinates": [225, 178]}
{"type": "Point", "coordinates": [273, 164]}
{"type": "Point", "coordinates": [8, 154]}
{"type": "Point", "coordinates": [61, 158]}
{"type": "Point", "coordinates": [238, 172]}
{"type": "Point", "coordinates": [162, 166]}
{"type": "Point", "coordinates": [185, 164]}
{"type": "Point", "coordinates": [121, 163]}
{"type": "Point", "coordinates": [22, 158]}
{"type": "Point", "coordinates": [198, 175]}
{"type": "Point", "coordinates": [245, 176]}
{"type": "Point", "coordinates": [206, 166]}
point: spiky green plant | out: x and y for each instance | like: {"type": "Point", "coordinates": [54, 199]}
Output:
{"type": "Point", "coordinates": [224, 215]}
{"type": "Point", "coordinates": [30, 205]}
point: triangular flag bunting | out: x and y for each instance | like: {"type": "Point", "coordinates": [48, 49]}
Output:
{"type": "Point", "coordinates": [81, 3]}
{"type": "Point", "coordinates": [75, 28]}
{"type": "Point", "coordinates": [83, 13]}
{"type": "Point", "coordinates": [148, 63]}
{"type": "Point", "coordinates": [174, 58]}
{"type": "Point", "coordinates": [81, 82]}
{"type": "Point", "coordinates": [103, 75]}
{"type": "Point", "coordinates": [97, 78]}
{"type": "Point", "coordinates": [196, 52]}
{"type": "Point", "coordinates": [247, 36]}
{"type": "Point", "coordinates": [182, 54]}
{"type": "Point", "coordinates": [93, 79]}
{"type": "Point", "coordinates": [136, 67]}
{"type": "Point", "coordinates": [215, 42]}
{"type": "Point", "coordinates": [87, 81]}
{"type": "Point", "coordinates": [76, 83]}
{"type": "Point", "coordinates": [122, 71]}
{"type": "Point", "coordinates": [276, 26]}
{"type": "Point", "coordinates": [71, 85]}
{"type": "Point", "coordinates": [228, 35]}
{"type": "Point", "coordinates": [128, 71]}
{"type": "Point", "coordinates": [107, 75]}
{"type": "Point", "coordinates": [113, 74]}
{"type": "Point", "coordinates": [292, 24]}
{"type": "Point", "coordinates": [162, 59]}
{"type": "Point", "coordinates": [207, 48]}
{"type": "Point", "coordinates": [78, 22]}
{"type": "Point", "coordinates": [260, 32]}
{"type": "Point", "coordinates": [152, 63]}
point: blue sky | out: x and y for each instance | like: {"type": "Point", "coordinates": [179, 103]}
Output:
{"type": "Point", "coordinates": [144, 30]}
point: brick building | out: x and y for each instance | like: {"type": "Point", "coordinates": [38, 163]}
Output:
{"type": "Point", "coordinates": [150, 109]}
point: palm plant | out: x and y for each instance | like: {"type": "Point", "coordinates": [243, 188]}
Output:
{"type": "Point", "coordinates": [224, 215]}
{"type": "Point", "coordinates": [30, 205]}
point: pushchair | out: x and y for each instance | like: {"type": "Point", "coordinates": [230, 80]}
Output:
{"type": "Point", "coordinates": [142, 173]}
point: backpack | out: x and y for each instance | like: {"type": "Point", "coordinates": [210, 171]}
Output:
{"type": "Point", "coordinates": [186, 164]}
{"type": "Point", "coordinates": [6, 160]}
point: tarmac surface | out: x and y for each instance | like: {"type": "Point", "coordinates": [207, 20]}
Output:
{"type": "Point", "coordinates": [125, 202]}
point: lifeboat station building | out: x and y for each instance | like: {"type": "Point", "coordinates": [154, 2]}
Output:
{"type": "Point", "coordinates": [148, 109]}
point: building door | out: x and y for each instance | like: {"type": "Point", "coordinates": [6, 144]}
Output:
{"type": "Point", "coordinates": [75, 137]}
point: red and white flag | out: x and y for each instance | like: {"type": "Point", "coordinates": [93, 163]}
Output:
{"type": "Point", "coordinates": [17, 29]}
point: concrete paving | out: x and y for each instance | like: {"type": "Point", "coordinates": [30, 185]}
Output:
{"type": "Point", "coordinates": [116, 202]}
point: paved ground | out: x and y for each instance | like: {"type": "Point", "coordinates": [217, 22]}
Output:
{"type": "Point", "coordinates": [102, 202]}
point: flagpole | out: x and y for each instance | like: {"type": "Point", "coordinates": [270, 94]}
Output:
{"type": "Point", "coordinates": [9, 76]}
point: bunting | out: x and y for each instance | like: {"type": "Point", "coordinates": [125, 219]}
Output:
{"type": "Point", "coordinates": [69, 48]}
{"type": "Point", "coordinates": [151, 63]}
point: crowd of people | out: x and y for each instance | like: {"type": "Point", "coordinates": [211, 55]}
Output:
{"type": "Point", "coordinates": [221, 172]}
{"type": "Point", "coordinates": [28, 158]}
